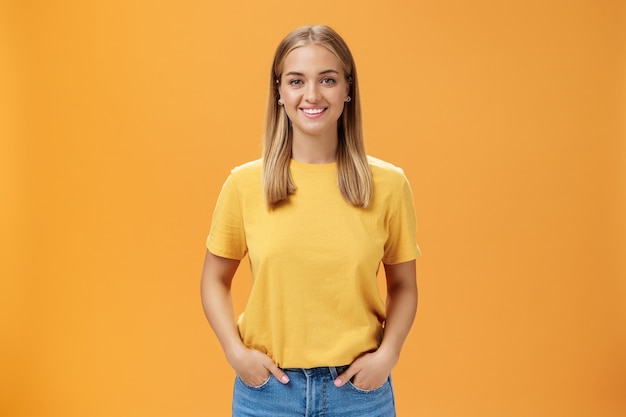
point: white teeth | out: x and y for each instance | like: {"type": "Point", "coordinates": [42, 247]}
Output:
{"type": "Point", "coordinates": [312, 111]}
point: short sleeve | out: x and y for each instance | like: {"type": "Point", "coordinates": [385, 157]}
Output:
{"type": "Point", "coordinates": [227, 236]}
{"type": "Point", "coordinates": [401, 245]}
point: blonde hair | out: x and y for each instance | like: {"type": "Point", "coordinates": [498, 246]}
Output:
{"type": "Point", "coordinates": [353, 174]}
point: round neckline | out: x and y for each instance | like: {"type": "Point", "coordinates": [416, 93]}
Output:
{"type": "Point", "coordinates": [325, 167]}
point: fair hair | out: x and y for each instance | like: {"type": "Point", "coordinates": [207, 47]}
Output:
{"type": "Point", "coordinates": [353, 174]}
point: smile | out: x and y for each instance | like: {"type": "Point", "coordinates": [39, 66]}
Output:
{"type": "Point", "coordinates": [313, 111]}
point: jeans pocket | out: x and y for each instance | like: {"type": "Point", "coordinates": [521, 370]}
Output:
{"type": "Point", "coordinates": [255, 387]}
{"type": "Point", "coordinates": [368, 391]}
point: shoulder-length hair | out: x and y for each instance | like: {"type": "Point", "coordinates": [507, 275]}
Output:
{"type": "Point", "coordinates": [353, 174]}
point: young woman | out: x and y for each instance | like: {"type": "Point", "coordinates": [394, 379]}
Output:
{"type": "Point", "coordinates": [316, 217]}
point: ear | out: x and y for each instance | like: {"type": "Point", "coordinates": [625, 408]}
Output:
{"type": "Point", "coordinates": [277, 85]}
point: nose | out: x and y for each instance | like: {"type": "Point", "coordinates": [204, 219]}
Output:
{"type": "Point", "coordinates": [311, 94]}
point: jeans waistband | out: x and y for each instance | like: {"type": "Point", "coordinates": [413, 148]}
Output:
{"type": "Point", "coordinates": [333, 371]}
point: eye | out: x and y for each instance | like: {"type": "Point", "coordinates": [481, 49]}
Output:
{"type": "Point", "coordinates": [328, 81]}
{"type": "Point", "coordinates": [296, 83]}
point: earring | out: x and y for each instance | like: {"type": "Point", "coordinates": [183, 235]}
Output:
{"type": "Point", "coordinates": [280, 102]}
{"type": "Point", "coordinates": [349, 99]}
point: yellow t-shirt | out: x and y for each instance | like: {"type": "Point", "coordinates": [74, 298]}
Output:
{"type": "Point", "coordinates": [315, 299]}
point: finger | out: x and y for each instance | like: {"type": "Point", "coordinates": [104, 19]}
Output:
{"type": "Point", "coordinates": [278, 373]}
{"type": "Point", "coordinates": [346, 376]}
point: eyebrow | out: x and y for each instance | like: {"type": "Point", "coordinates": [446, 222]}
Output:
{"type": "Point", "coordinates": [328, 71]}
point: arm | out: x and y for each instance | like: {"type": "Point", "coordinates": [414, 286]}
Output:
{"type": "Point", "coordinates": [252, 366]}
{"type": "Point", "coordinates": [371, 370]}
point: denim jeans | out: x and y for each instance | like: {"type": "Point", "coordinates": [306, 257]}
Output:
{"type": "Point", "coordinates": [312, 393]}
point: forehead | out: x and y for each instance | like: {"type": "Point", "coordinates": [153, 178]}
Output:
{"type": "Point", "coordinates": [311, 58]}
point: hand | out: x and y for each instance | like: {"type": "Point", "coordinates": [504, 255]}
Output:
{"type": "Point", "coordinates": [370, 371]}
{"type": "Point", "coordinates": [254, 367]}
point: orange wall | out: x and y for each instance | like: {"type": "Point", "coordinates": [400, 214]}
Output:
{"type": "Point", "coordinates": [121, 119]}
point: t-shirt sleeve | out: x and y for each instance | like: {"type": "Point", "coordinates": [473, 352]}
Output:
{"type": "Point", "coordinates": [401, 245]}
{"type": "Point", "coordinates": [227, 236]}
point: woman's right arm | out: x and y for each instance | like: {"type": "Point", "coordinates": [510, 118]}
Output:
{"type": "Point", "coordinates": [252, 366]}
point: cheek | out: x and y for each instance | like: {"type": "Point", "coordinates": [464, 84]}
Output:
{"type": "Point", "coordinates": [339, 97]}
{"type": "Point", "coordinates": [288, 96]}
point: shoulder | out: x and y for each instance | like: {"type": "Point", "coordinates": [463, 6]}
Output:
{"type": "Point", "coordinates": [247, 173]}
{"type": "Point", "coordinates": [248, 168]}
{"type": "Point", "coordinates": [244, 177]}
{"type": "Point", "coordinates": [385, 172]}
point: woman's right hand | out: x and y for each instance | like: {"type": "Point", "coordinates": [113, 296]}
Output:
{"type": "Point", "coordinates": [254, 367]}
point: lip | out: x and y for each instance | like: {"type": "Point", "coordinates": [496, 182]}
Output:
{"type": "Point", "coordinates": [318, 111]}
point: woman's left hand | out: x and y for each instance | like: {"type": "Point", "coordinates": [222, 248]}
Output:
{"type": "Point", "coordinates": [369, 371]}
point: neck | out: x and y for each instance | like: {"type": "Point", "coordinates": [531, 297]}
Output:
{"type": "Point", "coordinates": [314, 150]}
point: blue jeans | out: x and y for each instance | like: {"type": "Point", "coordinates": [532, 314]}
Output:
{"type": "Point", "coordinates": [311, 393]}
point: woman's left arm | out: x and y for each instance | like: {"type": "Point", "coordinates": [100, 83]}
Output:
{"type": "Point", "coordinates": [372, 370]}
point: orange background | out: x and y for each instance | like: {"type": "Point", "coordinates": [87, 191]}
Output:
{"type": "Point", "coordinates": [121, 119]}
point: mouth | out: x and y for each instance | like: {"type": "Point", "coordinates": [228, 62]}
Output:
{"type": "Point", "coordinates": [312, 113]}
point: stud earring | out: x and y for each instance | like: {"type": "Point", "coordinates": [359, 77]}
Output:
{"type": "Point", "coordinates": [280, 102]}
{"type": "Point", "coordinates": [349, 99]}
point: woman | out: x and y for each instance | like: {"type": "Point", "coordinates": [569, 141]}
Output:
{"type": "Point", "coordinates": [316, 217]}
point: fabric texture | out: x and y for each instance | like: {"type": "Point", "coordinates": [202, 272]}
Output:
{"type": "Point", "coordinates": [315, 299]}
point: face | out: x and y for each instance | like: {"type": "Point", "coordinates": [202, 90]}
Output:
{"type": "Point", "coordinates": [313, 90]}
